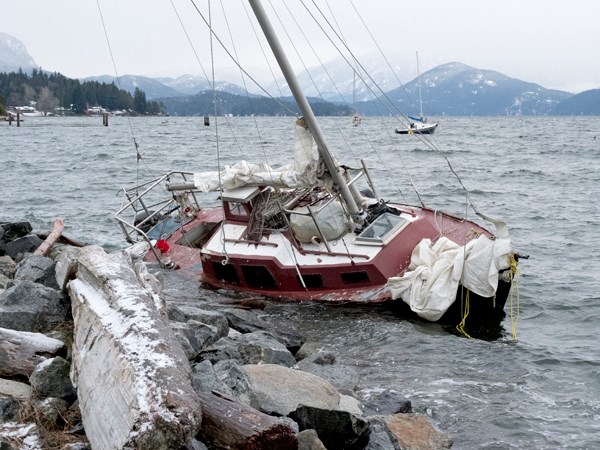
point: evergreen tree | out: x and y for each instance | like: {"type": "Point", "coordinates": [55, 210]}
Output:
{"type": "Point", "coordinates": [77, 99]}
{"type": "Point", "coordinates": [139, 101]}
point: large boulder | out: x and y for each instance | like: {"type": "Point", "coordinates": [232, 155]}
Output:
{"type": "Point", "coordinates": [11, 231]}
{"type": "Point", "coordinates": [226, 377]}
{"type": "Point", "coordinates": [338, 430]}
{"type": "Point", "coordinates": [258, 347]}
{"type": "Point", "coordinates": [385, 402]}
{"type": "Point", "coordinates": [281, 390]}
{"type": "Point", "coordinates": [7, 266]}
{"type": "Point", "coordinates": [37, 268]}
{"type": "Point", "coordinates": [51, 379]}
{"type": "Point", "coordinates": [29, 306]}
{"type": "Point", "coordinates": [416, 431]}
{"type": "Point", "coordinates": [20, 246]}
{"type": "Point", "coordinates": [246, 321]}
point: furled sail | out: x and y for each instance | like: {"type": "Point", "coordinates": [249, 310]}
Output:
{"type": "Point", "coordinates": [303, 172]}
{"type": "Point", "coordinates": [430, 284]}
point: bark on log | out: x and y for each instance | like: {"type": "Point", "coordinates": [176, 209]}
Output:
{"type": "Point", "coordinates": [132, 377]}
{"type": "Point", "coordinates": [228, 424]}
{"type": "Point", "coordinates": [21, 351]}
{"type": "Point", "coordinates": [57, 229]}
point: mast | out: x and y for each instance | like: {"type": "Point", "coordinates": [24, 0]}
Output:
{"type": "Point", "coordinates": [419, 83]}
{"type": "Point", "coordinates": [305, 108]}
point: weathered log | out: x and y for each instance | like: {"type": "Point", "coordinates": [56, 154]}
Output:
{"type": "Point", "coordinates": [132, 377]}
{"type": "Point", "coordinates": [21, 351]}
{"type": "Point", "coordinates": [228, 424]}
{"type": "Point", "coordinates": [57, 229]}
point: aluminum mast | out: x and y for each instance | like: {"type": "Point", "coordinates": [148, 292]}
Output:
{"type": "Point", "coordinates": [305, 108]}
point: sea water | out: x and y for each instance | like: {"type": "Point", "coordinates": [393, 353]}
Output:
{"type": "Point", "coordinates": [540, 174]}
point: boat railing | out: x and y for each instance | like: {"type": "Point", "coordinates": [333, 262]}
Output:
{"type": "Point", "coordinates": [146, 204]}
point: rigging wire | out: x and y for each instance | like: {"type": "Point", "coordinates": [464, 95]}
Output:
{"type": "Point", "coordinates": [138, 155]}
{"type": "Point", "coordinates": [430, 144]}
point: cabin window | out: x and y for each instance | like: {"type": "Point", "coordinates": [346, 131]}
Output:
{"type": "Point", "coordinates": [226, 273]}
{"type": "Point", "coordinates": [355, 277]}
{"type": "Point", "coordinates": [259, 277]}
{"type": "Point", "coordinates": [382, 228]}
{"type": "Point", "coordinates": [237, 209]}
{"type": "Point", "coordinates": [311, 280]}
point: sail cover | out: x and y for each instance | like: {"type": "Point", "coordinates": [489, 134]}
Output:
{"type": "Point", "coordinates": [303, 172]}
{"type": "Point", "coordinates": [430, 284]}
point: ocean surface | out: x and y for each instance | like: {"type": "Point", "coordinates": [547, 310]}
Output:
{"type": "Point", "coordinates": [540, 174]}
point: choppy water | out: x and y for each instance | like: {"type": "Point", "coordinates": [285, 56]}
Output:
{"type": "Point", "coordinates": [540, 174]}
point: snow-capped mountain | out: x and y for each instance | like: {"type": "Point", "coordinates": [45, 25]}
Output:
{"type": "Point", "coordinates": [13, 55]}
{"type": "Point", "coordinates": [193, 84]}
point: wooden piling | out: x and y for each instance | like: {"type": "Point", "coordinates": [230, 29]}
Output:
{"type": "Point", "coordinates": [206, 121]}
{"type": "Point", "coordinates": [18, 119]}
{"type": "Point", "coordinates": [105, 119]}
{"type": "Point", "coordinates": [10, 118]}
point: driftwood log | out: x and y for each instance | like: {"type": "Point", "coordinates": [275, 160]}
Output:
{"type": "Point", "coordinates": [57, 229]}
{"type": "Point", "coordinates": [21, 351]}
{"type": "Point", "coordinates": [229, 424]}
{"type": "Point", "coordinates": [132, 377]}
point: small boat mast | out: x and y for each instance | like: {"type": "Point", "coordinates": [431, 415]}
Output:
{"type": "Point", "coordinates": [305, 108]}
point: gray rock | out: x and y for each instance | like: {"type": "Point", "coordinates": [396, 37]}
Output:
{"type": "Point", "coordinates": [380, 439]}
{"type": "Point", "coordinates": [9, 408]}
{"type": "Point", "coordinates": [246, 321]}
{"type": "Point", "coordinates": [308, 348]}
{"type": "Point", "coordinates": [226, 377]}
{"type": "Point", "coordinates": [384, 402]}
{"type": "Point", "coordinates": [280, 390]}
{"type": "Point", "coordinates": [195, 336]}
{"type": "Point", "coordinates": [338, 430]}
{"type": "Point", "coordinates": [205, 379]}
{"type": "Point", "coordinates": [9, 231]}
{"type": "Point", "coordinates": [51, 379]}
{"type": "Point", "coordinates": [258, 347]}
{"type": "Point", "coordinates": [20, 246]}
{"type": "Point", "coordinates": [37, 268]}
{"type": "Point", "coordinates": [239, 384]}
{"type": "Point", "coordinates": [7, 266]}
{"type": "Point", "coordinates": [29, 306]}
{"type": "Point", "coordinates": [185, 313]}
{"type": "Point", "coordinates": [309, 440]}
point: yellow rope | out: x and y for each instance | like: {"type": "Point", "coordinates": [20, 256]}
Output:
{"type": "Point", "coordinates": [514, 316]}
{"type": "Point", "coordinates": [461, 326]}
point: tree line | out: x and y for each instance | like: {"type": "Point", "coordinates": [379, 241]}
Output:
{"type": "Point", "coordinates": [53, 90]}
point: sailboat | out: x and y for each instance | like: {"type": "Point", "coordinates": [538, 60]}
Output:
{"type": "Point", "coordinates": [418, 125]}
{"type": "Point", "coordinates": [356, 119]}
{"type": "Point", "coordinates": [308, 231]}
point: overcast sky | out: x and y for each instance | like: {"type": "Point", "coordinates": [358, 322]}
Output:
{"type": "Point", "coordinates": [550, 42]}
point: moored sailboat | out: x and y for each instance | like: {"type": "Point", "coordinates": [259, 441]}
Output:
{"type": "Point", "coordinates": [418, 125]}
{"type": "Point", "coordinates": [317, 230]}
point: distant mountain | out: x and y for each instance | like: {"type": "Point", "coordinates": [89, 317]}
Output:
{"type": "Point", "coordinates": [242, 105]}
{"type": "Point", "coordinates": [14, 56]}
{"type": "Point", "coordinates": [152, 88]}
{"type": "Point", "coordinates": [319, 81]}
{"type": "Point", "coordinates": [460, 90]}
{"type": "Point", "coordinates": [194, 84]}
{"type": "Point", "coordinates": [449, 89]}
{"type": "Point", "coordinates": [585, 104]}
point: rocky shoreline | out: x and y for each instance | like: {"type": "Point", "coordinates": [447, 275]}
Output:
{"type": "Point", "coordinates": [237, 381]}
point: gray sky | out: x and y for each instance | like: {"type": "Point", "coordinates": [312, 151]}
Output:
{"type": "Point", "coordinates": [549, 42]}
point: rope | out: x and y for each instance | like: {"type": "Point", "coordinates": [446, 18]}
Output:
{"type": "Point", "coordinates": [514, 315]}
{"type": "Point", "coordinates": [461, 326]}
